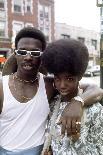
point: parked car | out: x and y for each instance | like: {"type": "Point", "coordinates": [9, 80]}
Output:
{"type": "Point", "coordinates": [92, 71]}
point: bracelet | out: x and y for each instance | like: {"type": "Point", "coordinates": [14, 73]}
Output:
{"type": "Point", "coordinates": [78, 98]}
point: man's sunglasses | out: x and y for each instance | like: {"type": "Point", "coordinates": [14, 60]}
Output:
{"type": "Point", "coordinates": [34, 53]}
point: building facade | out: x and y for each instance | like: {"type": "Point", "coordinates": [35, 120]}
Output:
{"type": "Point", "coordinates": [16, 14]}
{"type": "Point", "coordinates": [89, 37]}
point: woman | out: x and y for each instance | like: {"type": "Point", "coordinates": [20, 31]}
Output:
{"type": "Point", "coordinates": [68, 60]}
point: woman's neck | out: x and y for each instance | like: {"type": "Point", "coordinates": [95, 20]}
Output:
{"type": "Point", "coordinates": [67, 98]}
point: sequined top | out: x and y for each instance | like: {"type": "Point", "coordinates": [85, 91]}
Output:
{"type": "Point", "coordinates": [90, 141]}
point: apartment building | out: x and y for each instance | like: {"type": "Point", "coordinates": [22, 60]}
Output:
{"type": "Point", "coordinates": [89, 37]}
{"type": "Point", "coordinates": [16, 14]}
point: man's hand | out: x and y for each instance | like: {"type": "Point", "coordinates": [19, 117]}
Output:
{"type": "Point", "coordinates": [47, 152]}
{"type": "Point", "coordinates": [71, 118]}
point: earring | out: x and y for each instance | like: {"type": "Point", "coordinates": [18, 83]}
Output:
{"type": "Point", "coordinates": [54, 85]}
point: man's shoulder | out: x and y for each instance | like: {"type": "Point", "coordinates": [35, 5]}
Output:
{"type": "Point", "coordinates": [49, 78]}
{"type": "Point", "coordinates": [50, 89]}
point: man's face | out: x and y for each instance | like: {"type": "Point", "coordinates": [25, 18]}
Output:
{"type": "Point", "coordinates": [28, 63]}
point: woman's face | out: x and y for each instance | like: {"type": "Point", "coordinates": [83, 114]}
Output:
{"type": "Point", "coordinates": [66, 84]}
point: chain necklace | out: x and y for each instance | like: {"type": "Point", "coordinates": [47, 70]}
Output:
{"type": "Point", "coordinates": [26, 81]}
{"type": "Point", "coordinates": [22, 96]}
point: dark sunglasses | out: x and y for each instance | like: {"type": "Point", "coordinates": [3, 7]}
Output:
{"type": "Point", "coordinates": [34, 53]}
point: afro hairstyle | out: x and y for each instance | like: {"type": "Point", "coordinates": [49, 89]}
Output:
{"type": "Point", "coordinates": [66, 55]}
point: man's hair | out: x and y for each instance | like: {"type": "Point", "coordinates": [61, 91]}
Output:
{"type": "Point", "coordinates": [66, 55]}
{"type": "Point", "coordinates": [31, 32]}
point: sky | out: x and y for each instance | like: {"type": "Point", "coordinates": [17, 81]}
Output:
{"type": "Point", "coordinates": [81, 13]}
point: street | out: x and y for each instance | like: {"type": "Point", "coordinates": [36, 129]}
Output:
{"type": "Point", "coordinates": [94, 79]}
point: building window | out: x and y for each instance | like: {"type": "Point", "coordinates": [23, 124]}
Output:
{"type": "Point", "coordinates": [65, 36]}
{"type": "Point", "coordinates": [2, 14]}
{"type": "Point", "coordinates": [28, 9]}
{"type": "Point", "coordinates": [81, 39]}
{"type": "Point", "coordinates": [94, 43]}
{"type": "Point", "coordinates": [17, 26]}
{"type": "Point", "coordinates": [45, 20]}
{"type": "Point", "coordinates": [28, 25]}
{"type": "Point", "coordinates": [2, 4]}
{"type": "Point", "coordinates": [18, 6]}
{"type": "Point", "coordinates": [2, 28]}
{"type": "Point", "coordinates": [46, 12]}
{"type": "Point", "coordinates": [41, 14]}
{"type": "Point", "coordinates": [46, 15]}
{"type": "Point", "coordinates": [28, 6]}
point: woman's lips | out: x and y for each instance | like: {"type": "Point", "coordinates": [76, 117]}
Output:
{"type": "Point", "coordinates": [64, 92]}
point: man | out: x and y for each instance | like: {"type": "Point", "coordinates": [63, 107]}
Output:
{"type": "Point", "coordinates": [26, 95]}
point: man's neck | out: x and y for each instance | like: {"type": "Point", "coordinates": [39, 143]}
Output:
{"type": "Point", "coordinates": [26, 77]}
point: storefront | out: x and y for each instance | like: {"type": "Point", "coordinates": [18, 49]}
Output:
{"type": "Point", "coordinates": [4, 52]}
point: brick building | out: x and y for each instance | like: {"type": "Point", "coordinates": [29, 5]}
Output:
{"type": "Point", "coordinates": [16, 14]}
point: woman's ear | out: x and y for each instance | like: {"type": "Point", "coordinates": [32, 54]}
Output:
{"type": "Point", "coordinates": [10, 66]}
{"type": "Point", "coordinates": [14, 52]}
{"type": "Point", "coordinates": [80, 77]}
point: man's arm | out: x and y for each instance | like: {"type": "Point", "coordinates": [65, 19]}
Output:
{"type": "Point", "coordinates": [73, 112]}
{"type": "Point", "coordinates": [91, 93]}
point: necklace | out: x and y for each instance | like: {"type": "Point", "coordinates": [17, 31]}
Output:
{"type": "Point", "coordinates": [26, 81]}
{"type": "Point", "coordinates": [22, 96]}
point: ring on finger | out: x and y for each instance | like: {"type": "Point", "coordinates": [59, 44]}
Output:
{"type": "Point", "coordinates": [78, 123]}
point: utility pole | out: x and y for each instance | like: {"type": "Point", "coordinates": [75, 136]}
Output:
{"type": "Point", "coordinates": [100, 4]}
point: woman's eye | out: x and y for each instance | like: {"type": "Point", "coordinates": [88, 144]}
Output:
{"type": "Point", "coordinates": [70, 79]}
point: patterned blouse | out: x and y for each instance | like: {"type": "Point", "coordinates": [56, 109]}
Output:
{"type": "Point", "coordinates": [90, 141]}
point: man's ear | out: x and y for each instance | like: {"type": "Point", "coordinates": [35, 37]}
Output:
{"type": "Point", "coordinates": [10, 65]}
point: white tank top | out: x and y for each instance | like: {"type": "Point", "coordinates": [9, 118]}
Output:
{"type": "Point", "coordinates": [22, 125]}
